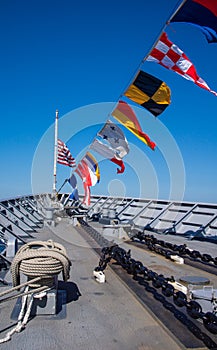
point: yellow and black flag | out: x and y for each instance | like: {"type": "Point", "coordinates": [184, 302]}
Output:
{"type": "Point", "coordinates": [149, 92]}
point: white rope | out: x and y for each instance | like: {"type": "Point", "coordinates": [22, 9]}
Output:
{"type": "Point", "coordinates": [8, 291]}
{"type": "Point", "coordinates": [19, 325]}
{"type": "Point", "coordinates": [43, 263]}
{"type": "Point", "coordinates": [23, 317]}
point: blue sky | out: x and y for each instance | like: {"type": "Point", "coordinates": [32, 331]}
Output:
{"type": "Point", "coordinates": [79, 57]}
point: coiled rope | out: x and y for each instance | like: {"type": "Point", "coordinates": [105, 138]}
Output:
{"type": "Point", "coordinates": [44, 259]}
{"type": "Point", "coordinates": [40, 261]}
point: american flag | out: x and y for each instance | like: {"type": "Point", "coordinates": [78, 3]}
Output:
{"type": "Point", "coordinates": [64, 156]}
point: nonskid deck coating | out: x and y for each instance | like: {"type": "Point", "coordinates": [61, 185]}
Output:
{"type": "Point", "coordinates": [191, 333]}
{"type": "Point", "coordinates": [104, 316]}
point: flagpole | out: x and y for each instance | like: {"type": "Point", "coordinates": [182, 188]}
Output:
{"type": "Point", "coordinates": [55, 152]}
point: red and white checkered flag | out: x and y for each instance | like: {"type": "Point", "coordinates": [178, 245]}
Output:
{"type": "Point", "coordinates": [172, 57]}
{"type": "Point", "coordinates": [64, 156]}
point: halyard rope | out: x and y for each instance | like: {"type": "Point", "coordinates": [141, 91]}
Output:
{"type": "Point", "coordinates": [40, 261]}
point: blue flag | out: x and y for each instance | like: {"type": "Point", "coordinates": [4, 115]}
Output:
{"type": "Point", "coordinates": [201, 13]}
{"type": "Point", "coordinates": [73, 183]}
{"type": "Point", "coordinates": [74, 195]}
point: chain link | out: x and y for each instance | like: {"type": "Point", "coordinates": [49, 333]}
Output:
{"type": "Point", "coordinates": [138, 270]}
{"type": "Point", "coordinates": [155, 244]}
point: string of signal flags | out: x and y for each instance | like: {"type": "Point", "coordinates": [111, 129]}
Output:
{"type": "Point", "coordinates": [146, 91]}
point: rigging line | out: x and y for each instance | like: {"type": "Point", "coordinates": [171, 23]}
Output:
{"type": "Point", "coordinates": [154, 44]}
{"type": "Point", "coordinates": [175, 12]}
{"type": "Point", "coordinates": [65, 181]}
{"type": "Point", "coordinates": [163, 28]}
{"type": "Point", "coordinates": [176, 9]}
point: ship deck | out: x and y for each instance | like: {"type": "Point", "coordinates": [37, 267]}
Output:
{"type": "Point", "coordinates": [100, 316]}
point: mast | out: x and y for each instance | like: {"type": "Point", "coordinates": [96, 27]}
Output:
{"type": "Point", "coordinates": [55, 152]}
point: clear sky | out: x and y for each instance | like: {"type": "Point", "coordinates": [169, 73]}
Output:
{"type": "Point", "coordinates": [79, 57]}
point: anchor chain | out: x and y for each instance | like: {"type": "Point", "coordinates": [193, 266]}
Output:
{"type": "Point", "coordinates": [160, 246]}
{"type": "Point", "coordinates": [137, 269]}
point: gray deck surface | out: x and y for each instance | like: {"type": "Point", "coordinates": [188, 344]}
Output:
{"type": "Point", "coordinates": [95, 316]}
{"type": "Point", "coordinates": [99, 316]}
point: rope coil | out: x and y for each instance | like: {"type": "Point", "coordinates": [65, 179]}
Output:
{"type": "Point", "coordinates": [40, 261]}
{"type": "Point", "coordinates": [45, 259]}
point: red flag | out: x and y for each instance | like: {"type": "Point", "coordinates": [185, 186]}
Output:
{"type": "Point", "coordinates": [86, 173]}
{"type": "Point", "coordinates": [120, 163]}
{"type": "Point", "coordinates": [82, 171]}
{"type": "Point", "coordinates": [172, 57]}
{"type": "Point", "coordinates": [86, 199]}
